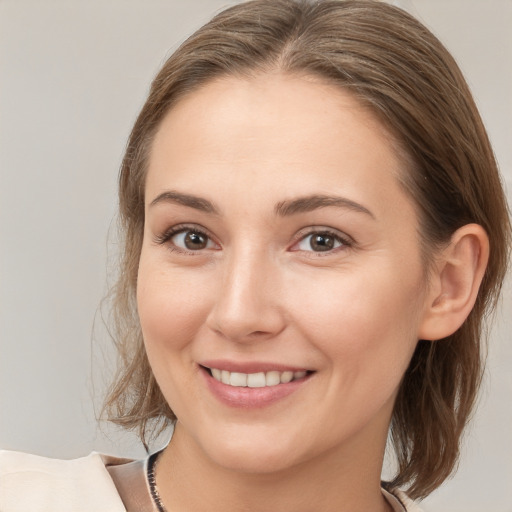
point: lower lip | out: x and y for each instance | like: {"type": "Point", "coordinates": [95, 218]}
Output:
{"type": "Point", "coordinates": [251, 398]}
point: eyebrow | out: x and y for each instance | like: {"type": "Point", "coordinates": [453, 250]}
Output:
{"type": "Point", "coordinates": [314, 202]}
{"type": "Point", "coordinates": [198, 203]}
{"type": "Point", "coordinates": [282, 209]}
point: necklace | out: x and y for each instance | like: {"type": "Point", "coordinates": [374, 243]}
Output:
{"type": "Point", "coordinates": [152, 482]}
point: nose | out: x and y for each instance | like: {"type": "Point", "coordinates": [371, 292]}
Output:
{"type": "Point", "coordinates": [247, 307]}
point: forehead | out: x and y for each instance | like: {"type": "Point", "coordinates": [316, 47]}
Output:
{"type": "Point", "coordinates": [273, 134]}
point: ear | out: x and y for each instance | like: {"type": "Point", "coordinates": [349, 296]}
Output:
{"type": "Point", "coordinates": [454, 282]}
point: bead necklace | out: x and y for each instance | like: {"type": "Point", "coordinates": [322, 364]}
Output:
{"type": "Point", "coordinates": [152, 482]}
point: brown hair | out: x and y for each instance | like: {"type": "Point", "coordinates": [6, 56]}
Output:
{"type": "Point", "coordinates": [396, 67]}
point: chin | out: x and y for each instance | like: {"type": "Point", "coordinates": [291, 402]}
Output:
{"type": "Point", "coordinates": [247, 453]}
{"type": "Point", "coordinates": [253, 462]}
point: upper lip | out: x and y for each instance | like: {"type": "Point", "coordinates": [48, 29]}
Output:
{"type": "Point", "coordinates": [250, 366]}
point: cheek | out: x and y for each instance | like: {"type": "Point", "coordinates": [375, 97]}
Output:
{"type": "Point", "coordinates": [172, 305]}
{"type": "Point", "coordinates": [365, 324]}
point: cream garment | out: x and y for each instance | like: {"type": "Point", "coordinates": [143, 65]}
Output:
{"type": "Point", "coordinates": [30, 483]}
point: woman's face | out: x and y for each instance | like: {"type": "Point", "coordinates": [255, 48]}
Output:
{"type": "Point", "coordinates": [278, 245]}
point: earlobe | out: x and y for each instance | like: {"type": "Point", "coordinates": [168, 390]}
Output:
{"type": "Point", "coordinates": [455, 282]}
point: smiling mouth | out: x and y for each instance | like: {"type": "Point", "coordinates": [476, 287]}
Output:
{"type": "Point", "coordinates": [256, 380]}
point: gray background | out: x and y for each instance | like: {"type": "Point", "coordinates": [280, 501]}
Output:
{"type": "Point", "coordinates": [73, 75]}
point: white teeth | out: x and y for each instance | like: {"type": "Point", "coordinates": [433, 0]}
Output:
{"type": "Point", "coordinates": [256, 380]}
{"type": "Point", "coordinates": [238, 379]}
{"type": "Point", "coordinates": [272, 378]}
{"type": "Point", "coordinates": [286, 377]}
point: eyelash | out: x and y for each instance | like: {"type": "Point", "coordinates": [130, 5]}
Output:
{"type": "Point", "coordinates": [166, 236]}
{"type": "Point", "coordinates": [346, 242]}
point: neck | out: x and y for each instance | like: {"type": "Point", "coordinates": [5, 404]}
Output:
{"type": "Point", "coordinates": [188, 480]}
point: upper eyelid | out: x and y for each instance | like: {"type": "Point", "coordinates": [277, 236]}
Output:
{"type": "Point", "coordinates": [304, 232]}
{"type": "Point", "coordinates": [299, 235]}
{"type": "Point", "coordinates": [179, 228]}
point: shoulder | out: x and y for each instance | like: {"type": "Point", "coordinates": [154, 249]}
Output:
{"type": "Point", "coordinates": [40, 484]}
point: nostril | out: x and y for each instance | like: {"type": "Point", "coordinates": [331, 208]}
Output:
{"type": "Point", "coordinates": [258, 333]}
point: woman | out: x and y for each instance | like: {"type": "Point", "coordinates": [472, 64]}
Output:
{"type": "Point", "coordinates": [315, 229]}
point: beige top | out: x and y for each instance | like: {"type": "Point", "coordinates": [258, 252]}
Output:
{"type": "Point", "coordinates": [93, 483]}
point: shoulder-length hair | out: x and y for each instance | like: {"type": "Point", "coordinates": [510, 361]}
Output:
{"type": "Point", "coordinates": [398, 69]}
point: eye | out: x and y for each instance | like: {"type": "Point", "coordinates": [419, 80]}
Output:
{"type": "Point", "coordinates": [192, 240]}
{"type": "Point", "coordinates": [321, 241]}
{"type": "Point", "coordinates": [186, 239]}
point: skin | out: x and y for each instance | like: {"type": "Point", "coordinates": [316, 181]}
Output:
{"type": "Point", "coordinates": [259, 292]}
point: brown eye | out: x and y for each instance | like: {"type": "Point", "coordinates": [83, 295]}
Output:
{"type": "Point", "coordinates": [191, 240]}
{"type": "Point", "coordinates": [322, 242]}
{"type": "Point", "coordinates": [195, 241]}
